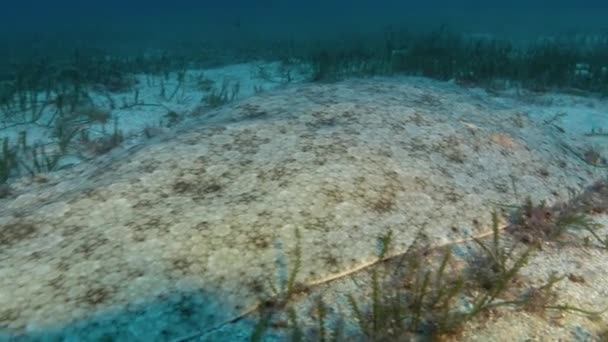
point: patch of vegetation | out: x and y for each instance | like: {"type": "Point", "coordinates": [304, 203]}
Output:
{"type": "Point", "coordinates": [419, 294]}
{"type": "Point", "coordinates": [332, 64]}
{"type": "Point", "coordinates": [489, 63]}
{"type": "Point", "coordinates": [597, 132]}
{"type": "Point", "coordinates": [564, 63]}
{"type": "Point", "coordinates": [497, 265]}
{"type": "Point", "coordinates": [226, 93]}
{"type": "Point", "coordinates": [594, 157]}
{"type": "Point", "coordinates": [590, 155]}
{"type": "Point", "coordinates": [426, 303]}
{"type": "Point", "coordinates": [538, 223]}
{"type": "Point", "coordinates": [66, 126]}
{"type": "Point", "coordinates": [43, 162]}
{"type": "Point", "coordinates": [54, 94]}
{"type": "Point", "coordinates": [8, 161]}
{"type": "Point", "coordinates": [107, 142]}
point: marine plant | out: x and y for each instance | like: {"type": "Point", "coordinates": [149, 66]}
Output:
{"type": "Point", "coordinates": [537, 223]}
{"type": "Point", "coordinates": [279, 297]}
{"type": "Point", "coordinates": [181, 78]}
{"type": "Point", "coordinates": [486, 62]}
{"type": "Point", "coordinates": [423, 293]}
{"type": "Point", "coordinates": [332, 64]}
{"type": "Point", "coordinates": [226, 93]}
{"type": "Point", "coordinates": [8, 160]}
{"type": "Point", "coordinates": [43, 162]}
{"type": "Point", "coordinates": [108, 142]}
{"type": "Point", "coordinates": [412, 296]}
{"type": "Point", "coordinates": [592, 156]}
{"type": "Point", "coordinates": [597, 132]}
{"type": "Point", "coordinates": [437, 294]}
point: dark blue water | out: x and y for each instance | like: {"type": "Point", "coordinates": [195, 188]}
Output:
{"type": "Point", "coordinates": [141, 24]}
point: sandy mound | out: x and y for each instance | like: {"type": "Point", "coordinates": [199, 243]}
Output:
{"type": "Point", "coordinates": [210, 210]}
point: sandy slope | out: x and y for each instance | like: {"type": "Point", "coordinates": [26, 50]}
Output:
{"type": "Point", "coordinates": [202, 214]}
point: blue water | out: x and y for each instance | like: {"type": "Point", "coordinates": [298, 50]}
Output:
{"type": "Point", "coordinates": [145, 24]}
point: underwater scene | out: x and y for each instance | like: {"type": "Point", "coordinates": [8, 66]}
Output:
{"type": "Point", "coordinates": [304, 171]}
